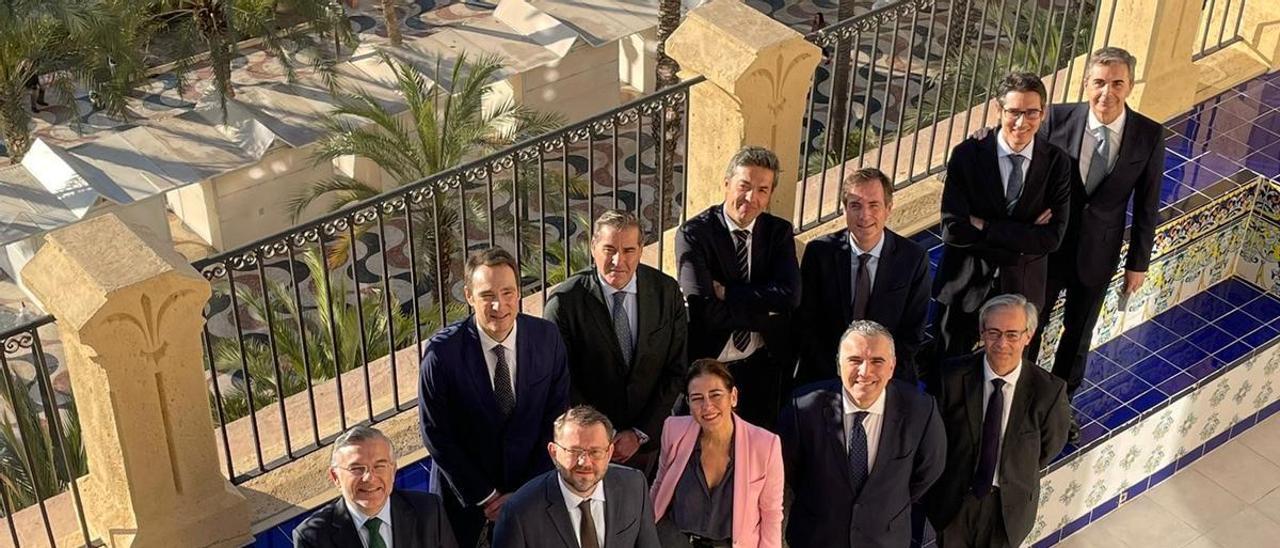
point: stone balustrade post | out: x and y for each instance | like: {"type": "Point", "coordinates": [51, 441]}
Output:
{"type": "Point", "coordinates": [1161, 34]}
{"type": "Point", "coordinates": [129, 314]}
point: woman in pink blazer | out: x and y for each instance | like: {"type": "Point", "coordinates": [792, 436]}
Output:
{"type": "Point", "coordinates": [719, 480]}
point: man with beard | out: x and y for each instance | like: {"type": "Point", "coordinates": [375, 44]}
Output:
{"type": "Point", "coordinates": [585, 502]}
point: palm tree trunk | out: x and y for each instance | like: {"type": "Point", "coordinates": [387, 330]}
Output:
{"type": "Point", "coordinates": [841, 64]}
{"type": "Point", "coordinates": [15, 121]}
{"type": "Point", "coordinates": [392, 21]}
{"type": "Point", "coordinates": [666, 75]}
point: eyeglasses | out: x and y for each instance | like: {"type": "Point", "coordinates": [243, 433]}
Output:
{"type": "Point", "coordinates": [1030, 114]}
{"type": "Point", "coordinates": [594, 454]}
{"type": "Point", "coordinates": [360, 470]}
{"type": "Point", "coordinates": [1009, 336]}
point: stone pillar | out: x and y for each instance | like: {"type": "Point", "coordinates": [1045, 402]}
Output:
{"type": "Point", "coordinates": [1162, 35]}
{"type": "Point", "coordinates": [129, 314]}
{"type": "Point", "coordinates": [758, 76]}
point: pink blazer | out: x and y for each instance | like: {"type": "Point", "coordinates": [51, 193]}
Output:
{"type": "Point", "coordinates": [757, 478]}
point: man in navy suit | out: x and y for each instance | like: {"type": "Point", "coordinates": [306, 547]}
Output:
{"type": "Point", "coordinates": [1005, 205]}
{"type": "Point", "coordinates": [491, 386]}
{"type": "Point", "coordinates": [860, 449]}
{"type": "Point", "coordinates": [862, 272]}
{"type": "Point", "coordinates": [740, 277]}
{"type": "Point", "coordinates": [370, 514]}
{"type": "Point", "coordinates": [1120, 154]}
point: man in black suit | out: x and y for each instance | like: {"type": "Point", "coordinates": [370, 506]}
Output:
{"type": "Point", "coordinates": [892, 288]}
{"type": "Point", "coordinates": [1005, 205]}
{"type": "Point", "coordinates": [738, 269]}
{"type": "Point", "coordinates": [1120, 157]}
{"type": "Point", "coordinates": [625, 327]}
{"type": "Point", "coordinates": [369, 513]}
{"type": "Point", "coordinates": [1006, 419]}
{"type": "Point", "coordinates": [491, 386]}
{"type": "Point", "coordinates": [859, 450]}
{"type": "Point", "coordinates": [585, 502]}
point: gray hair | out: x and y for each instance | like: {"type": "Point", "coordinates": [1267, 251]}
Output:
{"type": "Point", "coordinates": [1010, 300]}
{"type": "Point", "coordinates": [619, 220]}
{"type": "Point", "coordinates": [753, 156]}
{"type": "Point", "coordinates": [868, 329]}
{"type": "Point", "coordinates": [583, 416]}
{"type": "Point", "coordinates": [1111, 55]}
{"type": "Point", "coordinates": [355, 436]}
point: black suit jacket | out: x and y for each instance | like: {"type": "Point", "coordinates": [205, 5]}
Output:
{"type": "Point", "coordinates": [536, 515]}
{"type": "Point", "coordinates": [1039, 418]}
{"type": "Point", "coordinates": [899, 301]}
{"type": "Point", "coordinates": [1091, 247]}
{"type": "Point", "coordinates": [764, 304]}
{"type": "Point", "coordinates": [910, 457]}
{"type": "Point", "coordinates": [417, 521]}
{"type": "Point", "coordinates": [474, 450]}
{"type": "Point", "coordinates": [1011, 242]}
{"type": "Point", "coordinates": [639, 396]}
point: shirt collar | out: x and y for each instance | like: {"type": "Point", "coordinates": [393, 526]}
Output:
{"type": "Point", "coordinates": [1003, 149]}
{"type": "Point", "coordinates": [610, 290]}
{"type": "Point", "coordinates": [874, 251]}
{"type": "Point", "coordinates": [359, 518]}
{"type": "Point", "coordinates": [734, 226]}
{"type": "Point", "coordinates": [487, 343]}
{"type": "Point", "coordinates": [1116, 126]}
{"type": "Point", "coordinates": [876, 408]}
{"type": "Point", "coordinates": [572, 499]}
{"type": "Point", "coordinates": [988, 374]}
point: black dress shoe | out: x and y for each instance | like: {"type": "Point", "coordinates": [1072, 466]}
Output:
{"type": "Point", "coordinates": [1073, 433]}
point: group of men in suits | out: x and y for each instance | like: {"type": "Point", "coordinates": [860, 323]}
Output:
{"type": "Point", "coordinates": [1028, 210]}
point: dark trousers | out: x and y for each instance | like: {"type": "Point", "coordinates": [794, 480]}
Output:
{"type": "Point", "coordinates": [978, 524]}
{"type": "Point", "coordinates": [1079, 316]}
{"type": "Point", "coordinates": [759, 379]}
{"type": "Point", "coordinates": [468, 522]}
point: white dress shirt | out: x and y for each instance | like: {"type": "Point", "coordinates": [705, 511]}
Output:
{"type": "Point", "coordinates": [575, 515]}
{"type": "Point", "coordinates": [873, 263]}
{"type": "Point", "coordinates": [1089, 142]}
{"type": "Point", "coordinates": [1003, 151]}
{"type": "Point", "coordinates": [1008, 388]}
{"type": "Point", "coordinates": [628, 302]}
{"type": "Point", "coordinates": [384, 530]}
{"type": "Point", "coordinates": [730, 353]}
{"type": "Point", "coordinates": [508, 346]}
{"type": "Point", "coordinates": [871, 424]}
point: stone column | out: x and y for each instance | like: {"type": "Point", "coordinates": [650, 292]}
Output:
{"type": "Point", "coordinates": [129, 314]}
{"type": "Point", "coordinates": [1162, 35]}
{"type": "Point", "coordinates": [758, 76]}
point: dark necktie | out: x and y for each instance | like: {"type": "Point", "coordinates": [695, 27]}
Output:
{"type": "Point", "coordinates": [989, 453]}
{"type": "Point", "coordinates": [862, 288]}
{"type": "Point", "coordinates": [858, 452]}
{"type": "Point", "coordinates": [502, 383]}
{"type": "Point", "coordinates": [1014, 190]}
{"type": "Point", "coordinates": [1098, 164]}
{"type": "Point", "coordinates": [622, 327]}
{"type": "Point", "coordinates": [587, 527]}
{"type": "Point", "coordinates": [374, 527]}
{"type": "Point", "coordinates": [741, 339]}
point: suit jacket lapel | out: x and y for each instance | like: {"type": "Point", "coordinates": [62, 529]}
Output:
{"type": "Point", "coordinates": [647, 311]}
{"type": "Point", "coordinates": [989, 162]}
{"type": "Point", "coordinates": [1075, 126]}
{"type": "Point", "coordinates": [1033, 179]}
{"type": "Point", "coordinates": [556, 509]}
{"type": "Point", "coordinates": [973, 388]}
{"type": "Point", "coordinates": [345, 525]}
{"type": "Point", "coordinates": [1018, 410]}
{"type": "Point", "coordinates": [835, 436]}
{"type": "Point", "coordinates": [479, 369]}
{"type": "Point", "coordinates": [523, 369]}
{"type": "Point", "coordinates": [613, 517]}
{"type": "Point", "coordinates": [1128, 145]}
{"type": "Point", "coordinates": [890, 428]}
{"type": "Point", "coordinates": [884, 273]}
{"type": "Point", "coordinates": [844, 276]}
{"type": "Point", "coordinates": [404, 522]}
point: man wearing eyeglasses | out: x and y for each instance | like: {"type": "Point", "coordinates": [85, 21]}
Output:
{"type": "Point", "coordinates": [369, 514]}
{"type": "Point", "coordinates": [1005, 205]}
{"type": "Point", "coordinates": [1005, 420]}
{"type": "Point", "coordinates": [585, 502]}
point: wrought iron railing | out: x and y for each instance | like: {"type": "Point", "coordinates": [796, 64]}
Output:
{"type": "Point", "coordinates": [901, 84]}
{"type": "Point", "coordinates": [304, 325]}
{"type": "Point", "coordinates": [1220, 22]}
{"type": "Point", "coordinates": [41, 453]}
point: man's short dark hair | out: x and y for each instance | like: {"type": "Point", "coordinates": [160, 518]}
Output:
{"type": "Point", "coordinates": [356, 435]}
{"type": "Point", "coordinates": [582, 416]}
{"type": "Point", "coordinates": [1024, 82]}
{"type": "Point", "coordinates": [753, 156]}
{"type": "Point", "coordinates": [1111, 55]}
{"type": "Point", "coordinates": [865, 175]}
{"type": "Point", "coordinates": [491, 257]}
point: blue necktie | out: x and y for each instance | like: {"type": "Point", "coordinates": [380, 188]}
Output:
{"type": "Point", "coordinates": [622, 326]}
{"type": "Point", "coordinates": [1014, 190]}
{"type": "Point", "coordinates": [858, 452]}
{"type": "Point", "coordinates": [1098, 163]}
{"type": "Point", "coordinates": [742, 338]}
{"type": "Point", "coordinates": [989, 453]}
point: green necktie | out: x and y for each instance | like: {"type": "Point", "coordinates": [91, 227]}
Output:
{"type": "Point", "coordinates": [374, 526]}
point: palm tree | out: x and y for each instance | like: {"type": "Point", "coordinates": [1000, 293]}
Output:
{"type": "Point", "coordinates": [216, 27]}
{"type": "Point", "coordinates": [31, 465]}
{"type": "Point", "coordinates": [841, 65]}
{"type": "Point", "coordinates": [392, 21]}
{"type": "Point", "coordinates": [92, 43]}
{"type": "Point", "coordinates": [666, 75]}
